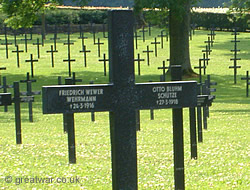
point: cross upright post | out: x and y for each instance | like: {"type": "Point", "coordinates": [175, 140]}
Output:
{"type": "Point", "coordinates": [17, 51]}
{"type": "Point", "coordinates": [164, 68]}
{"type": "Point", "coordinates": [25, 42]}
{"type": "Point", "coordinates": [85, 51]}
{"type": "Point", "coordinates": [148, 52]}
{"type": "Point", "coordinates": [200, 67]}
{"type": "Point", "coordinates": [32, 61]}
{"type": "Point", "coordinates": [247, 78]}
{"type": "Point", "coordinates": [99, 47]}
{"type": "Point", "coordinates": [136, 36]}
{"type": "Point", "coordinates": [104, 60]}
{"type": "Point", "coordinates": [139, 60]}
{"type": "Point", "coordinates": [143, 33]}
{"type": "Point", "coordinates": [162, 38]}
{"type": "Point", "coordinates": [52, 51]}
{"type": "Point", "coordinates": [55, 38]}
{"type": "Point", "coordinates": [6, 42]}
{"type": "Point", "coordinates": [38, 47]}
{"type": "Point", "coordinates": [207, 51]}
{"type": "Point", "coordinates": [155, 43]}
{"type": "Point", "coordinates": [5, 87]}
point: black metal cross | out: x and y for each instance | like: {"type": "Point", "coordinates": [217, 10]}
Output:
{"type": "Point", "coordinates": [104, 60]}
{"type": "Point", "coordinates": [148, 52]}
{"type": "Point", "coordinates": [55, 38]}
{"type": "Point", "coordinates": [164, 68]}
{"type": "Point", "coordinates": [5, 88]}
{"type": "Point", "coordinates": [69, 60]}
{"type": "Point", "coordinates": [99, 47]}
{"type": "Point", "coordinates": [25, 42]}
{"type": "Point", "coordinates": [83, 38]}
{"type": "Point", "coordinates": [200, 67]}
{"type": "Point", "coordinates": [85, 51]}
{"type": "Point", "coordinates": [136, 36]}
{"type": "Point", "coordinates": [38, 47]}
{"type": "Point", "coordinates": [205, 60]}
{"type": "Point", "coordinates": [162, 37]}
{"type": "Point", "coordinates": [6, 43]}
{"type": "Point", "coordinates": [207, 51]}
{"type": "Point", "coordinates": [247, 78]}
{"type": "Point", "coordinates": [139, 60]}
{"type": "Point", "coordinates": [143, 33]}
{"type": "Point", "coordinates": [52, 51]}
{"type": "Point", "coordinates": [209, 44]}
{"type": "Point", "coordinates": [17, 51]}
{"type": "Point", "coordinates": [155, 43]}
{"type": "Point", "coordinates": [32, 61]}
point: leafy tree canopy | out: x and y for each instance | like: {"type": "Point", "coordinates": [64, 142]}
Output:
{"type": "Point", "coordinates": [23, 13]}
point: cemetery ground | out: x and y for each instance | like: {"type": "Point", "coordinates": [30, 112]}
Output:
{"type": "Point", "coordinates": [223, 157]}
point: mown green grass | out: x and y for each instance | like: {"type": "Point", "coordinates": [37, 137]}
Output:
{"type": "Point", "coordinates": [223, 157]}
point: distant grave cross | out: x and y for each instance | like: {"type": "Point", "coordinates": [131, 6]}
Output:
{"type": "Point", "coordinates": [69, 60]}
{"type": "Point", "coordinates": [38, 47]}
{"type": "Point", "coordinates": [52, 51]}
{"type": "Point", "coordinates": [55, 38]}
{"type": "Point", "coordinates": [17, 51]}
{"type": "Point", "coordinates": [207, 51]}
{"type": "Point", "coordinates": [99, 47]}
{"type": "Point", "coordinates": [247, 78]}
{"type": "Point", "coordinates": [148, 52]}
{"type": "Point", "coordinates": [6, 42]}
{"type": "Point", "coordinates": [164, 68]}
{"type": "Point", "coordinates": [204, 59]}
{"type": "Point", "coordinates": [104, 60]}
{"type": "Point", "coordinates": [200, 67]}
{"type": "Point", "coordinates": [139, 60]}
{"type": "Point", "coordinates": [143, 33]}
{"type": "Point", "coordinates": [136, 36]}
{"type": "Point", "coordinates": [155, 43]}
{"type": "Point", "coordinates": [31, 61]}
{"type": "Point", "coordinates": [25, 42]}
{"type": "Point", "coordinates": [162, 38]}
{"type": "Point", "coordinates": [84, 51]}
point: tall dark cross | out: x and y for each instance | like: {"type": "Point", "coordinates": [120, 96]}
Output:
{"type": "Point", "coordinates": [149, 29]}
{"type": "Point", "coordinates": [207, 51]}
{"type": "Point", "coordinates": [143, 33]}
{"type": "Point", "coordinates": [82, 37]}
{"type": "Point", "coordinates": [164, 68]}
{"type": "Point", "coordinates": [200, 67]}
{"type": "Point", "coordinates": [52, 51]}
{"type": "Point", "coordinates": [14, 35]}
{"type": "Point", "coordinates": [162, 35]}
{"type": "Point", "coordinates": [209, 44]}
{"type": "Point", "coordinates": [104, 60]}
{"type": "Point", "coordinates": [247, 78]}
{"type": "Point", "coordinates": [139, 60]}
{"type": "Point", "coordinates": [104, 30]}
{"type": "Point", "coordinates": [99, 47]}
{"type": "Point", "coordinates": [25, 42]}
{"type": "Point", "coordinates": [235, 59]}
{"type": "Point", "coordinates": [6, 43]}
{"type": "Point", "coordinates": [27, 80]}
{"type": "Point", "coordinates": [31, 61]}
{"type": "Point", "coordinates": [136, 36]}
{"type": "Point", "coordinates": [29, 92]}
{"type": "Point", "coordinates": [85, 51]}
{"type": "Point", "coordinates": [38, 47]}
{"type": "Point", "coordinates": [122, 97]}
{"type": "Point", "coordinates": [155, 43]}
{"type": "Point", "coordinates": [205, 61]}
{"type": "Point", "coordinates": [17, 51]}
{"type": "Point", "coordinates": [5, 87]}
{"type": "Point", "coordinates": [68, 43]}
{"type": "Point", "coordinates": [69, 60]}
{"type": "Point", "coordinates": [80, 31]}
{"type": "Point", "coordinates": [148, 52]}
{"type": "Point", "coordinates": [17, 101]}
{"type": "Point", "coordinates": [93, 31]}
{"type": "Point", "coordinates": [1, 68]}
{"type": "Point", "coordinates": [55, 38]}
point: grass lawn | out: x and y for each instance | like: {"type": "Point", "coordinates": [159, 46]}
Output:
{"type": "Point", "coordinates": [223, 158]}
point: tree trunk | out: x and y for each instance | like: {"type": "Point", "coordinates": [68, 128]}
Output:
{"type": "Point", "coordinates": [179, 25]}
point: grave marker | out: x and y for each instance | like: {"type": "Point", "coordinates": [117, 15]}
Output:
{"type": "Point", "coordinates": [5, 88]}
{"type": "Point", "coordinates": [31, 61]}
{"type": "Point", "coordinates": [25, 42]}
{"type": "Point", "coordinates": [85, 51]}
{"type": "Point", "coordinates": [136, 38]}
{"type": "Point", "coordinates": [6, 43]}
{"type": "Point", "coordinates": [148, 52]}
{"type": "Point", "coordinates": [99, 47]}
{"type": "Point", "coordinates": [207, 52]}
{"type": "Point", "coordinates": [52, 51]}
{"type": "Point", "coordinates": [162, 38]}
{"type": "Point", "coordinates": [122, 97]}
{"type": "Point", "coordinates": [164, 68]}
{"type": "Point", "coordinates": [17, 51]}
{"type": "Point", "coordinates": [143, 33]}
{"type": "Point", "coordinates": [38, 47]}
{"type": "Point", "coordinates": [55, 38]}
{"type": "Point", "coordinates": [155, 43]}
{"type": "Point", "coordinates": [139, 60]}
{"type": "Point", "coordinates": [247, 78]}
{"type": "Point", "coordinates": [104, 60]}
